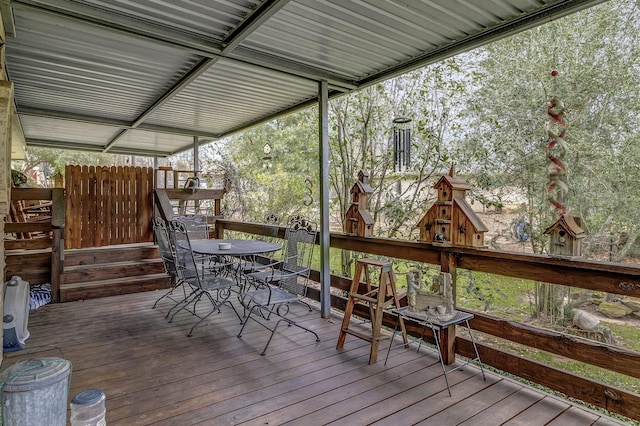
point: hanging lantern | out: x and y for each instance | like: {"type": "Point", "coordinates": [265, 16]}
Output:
{"type": "Point", "coordinates": [266, 149]}
{"type": "Point", "coordinates": [401, 143]}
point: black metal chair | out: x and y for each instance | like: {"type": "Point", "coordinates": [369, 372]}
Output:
{"type": "Point", "coordinates": [273, 291]}
{"type": "Point", "coordinates": [163, 240]}
{"type": "Point", "coordinates": [270, 230]}
{"type": "Point", "coordinates": [212, 285]}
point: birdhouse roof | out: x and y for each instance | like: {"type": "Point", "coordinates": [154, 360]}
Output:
{"type": "Point", "coordinates": [454, 182]}
{"type": "Point", "coordinates": [569, 224]}
{"type": "Point", "coordinates": [470, 214]}
{"type": "Point", "coordinates": [366, 216]}
{"type": "Point", "coordinates": [362, 187]}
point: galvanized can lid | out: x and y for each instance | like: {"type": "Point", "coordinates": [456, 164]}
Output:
{"type": "Point", "coordinates": [34, 374]}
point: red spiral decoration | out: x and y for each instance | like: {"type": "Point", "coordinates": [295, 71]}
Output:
{"type": "Point", "coordinates": [557, 188]}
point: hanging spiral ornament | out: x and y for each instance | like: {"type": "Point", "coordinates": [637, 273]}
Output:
{"type": "Point", "coordinates": [557, 188]}
{"type": "Point", "coordinates": [308, 192]}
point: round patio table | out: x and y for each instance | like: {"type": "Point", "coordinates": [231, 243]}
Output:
{"type": "Point", "coordinates": [236, 248]}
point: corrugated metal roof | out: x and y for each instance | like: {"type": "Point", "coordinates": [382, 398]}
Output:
{"type": "Point", "coordinates": [147, 76]}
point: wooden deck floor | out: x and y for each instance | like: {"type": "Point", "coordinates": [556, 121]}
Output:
{"type": "Point", "coordinates": [152, 373]}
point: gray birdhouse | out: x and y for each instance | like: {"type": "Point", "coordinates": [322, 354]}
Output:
{"type": "Point", "coordinates": [565, 236]}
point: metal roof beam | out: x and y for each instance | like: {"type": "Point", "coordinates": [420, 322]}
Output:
{"type": "Point", "coordinates": [336, 82]}
{"type": "Point", "coordinates": [193, 73]}
{"type": "Point", "coordinates": [101, 121]}
{"type": "Point", "coordinates": [46, 143]}
{"type": "Point", "coordinates": [252, 23]}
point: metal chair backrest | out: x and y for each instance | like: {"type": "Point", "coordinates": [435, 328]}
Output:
{"type": "Point", "coordinates": [299, 245]}
{"type": "Point", "coordinates": [270, 226]}
{"type": "Point", "coordinates": [197, 226]}
{"type": "Point", "coordinates": [163, 240]}
{"type": "Point", "coordinates": [187, 267]}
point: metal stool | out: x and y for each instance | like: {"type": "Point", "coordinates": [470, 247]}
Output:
{"type": "Point", "coordinates": [436, 326]}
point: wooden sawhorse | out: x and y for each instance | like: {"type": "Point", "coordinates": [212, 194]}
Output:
{"type": "Point", "coordinates": [380, 298]}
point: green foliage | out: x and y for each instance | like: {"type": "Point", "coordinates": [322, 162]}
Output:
{"type": "Point", "coordinates": [283, 181]}
{"type": "Point", "coordinates": [504, 145]}
{"type": "Point", "coordinates": [57, 159]}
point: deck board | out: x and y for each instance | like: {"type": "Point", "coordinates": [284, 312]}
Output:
{"type": "Point", "coordinates": [152, 373]}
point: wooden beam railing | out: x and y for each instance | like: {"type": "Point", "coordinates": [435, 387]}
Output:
{"type": "Point", "coordinates": [607, 277]}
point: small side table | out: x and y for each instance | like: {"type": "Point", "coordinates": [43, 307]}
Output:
{"type": "Point", "coordinates": [436, 326]}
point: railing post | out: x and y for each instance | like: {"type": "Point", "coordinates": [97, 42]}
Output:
{"type": "Point", "coordinates": [219, 229]}
{"type": "Point", "coordinates": [448, 264]}
{"type": "Point", "coordinates": [57, 243]}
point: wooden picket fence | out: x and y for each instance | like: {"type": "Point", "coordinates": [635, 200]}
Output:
{"type": "Point", "coordinates": [108, 205]}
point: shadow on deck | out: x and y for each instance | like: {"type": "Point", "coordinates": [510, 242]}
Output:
{"type": "Point", "coordinates": [152, 372]}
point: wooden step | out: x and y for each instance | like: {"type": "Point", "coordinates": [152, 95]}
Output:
{"type": "Point", "coordinates": [107, 254]}
{"type": "Point", "coordinates": [113, 287]}
{"type": "Point", "coordinates": [102, 271]}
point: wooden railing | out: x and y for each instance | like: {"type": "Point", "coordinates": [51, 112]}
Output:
{"type": "Point", "coordinates": [615, 278]}
{"type": "Point", "coordinates": [37, 260]}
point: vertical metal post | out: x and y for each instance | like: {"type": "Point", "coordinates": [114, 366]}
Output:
{"type": "Point", "coordinates": [323, 129]}
{"type": "Point", "coordinates": [196, 153]}
{"type": "Point", "coordinates": [196, 168]}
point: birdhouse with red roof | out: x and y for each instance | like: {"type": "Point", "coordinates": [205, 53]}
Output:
{"type": "Point", "coordinates": [565, 236]}
{"type": "Point", "coordinates": [358, 219]}
{"type": "Point", "coordinates": [451, 220]}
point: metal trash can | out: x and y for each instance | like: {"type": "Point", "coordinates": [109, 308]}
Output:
{"type": "Point", "coordinates": [35, 392]}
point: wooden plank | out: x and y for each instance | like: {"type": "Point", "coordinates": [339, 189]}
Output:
{"type": "Point", "coordinates": [99, 208]}
{"type": "Point", "coordinates": [505, 409]}
{"type": "Point", "coordinates": [613, 358]}
{"type": "Point", "coordinates": [163, 204]}
{"type": "Point", "coordinates": [609, 277]}
{"type": "Point", "coordinates": [541, 412]}
{"type": "Point", "coordinates": [476, 403]}
{"type": "Point", "coordinates": [31, 194]}
{"type": "Point", "coordinates": [581, 388]}
{"type": "Point", "coordinates": [30, 244]}
{"type": "Point", "coordinates": [73, 207]}
{"type": "Point", "coordinates": [13, 227]}
{"type": "Point", "coordinates": [57, 207]}
{"type": "Point", "coordinates": [103, 271]}
{"type": "Point", "coordinates": [141, 187]}
{"type": "Point", "coordinates": [106, 254]}
{"type": "Point", "coordinates": [84, 207]}
{"type": "Point", "coordinates": [574, 417]}
{"type": "Point", "coordinates": [115, 287]}
{"type": "Point", "coordinates": [107, 208]}
{"type": "Point", "coordinates": [56, 264]}
{"type": "Point", "coordinates": [147, 205]}
{"type": "Point", "coordinates": [112, 225]}
{"type": "Point", "coordinates": [90, 220]}
{"type": "Point", "coordinates": [201, 194]}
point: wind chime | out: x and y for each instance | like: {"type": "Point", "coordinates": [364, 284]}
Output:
{"type": "Point", "coordinates": [401, 143]}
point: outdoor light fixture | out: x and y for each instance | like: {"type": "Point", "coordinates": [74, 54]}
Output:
{"type": "Point", "coordinates": [401, 143]}
{"type": "Point", "coordinates": [266, 150]}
